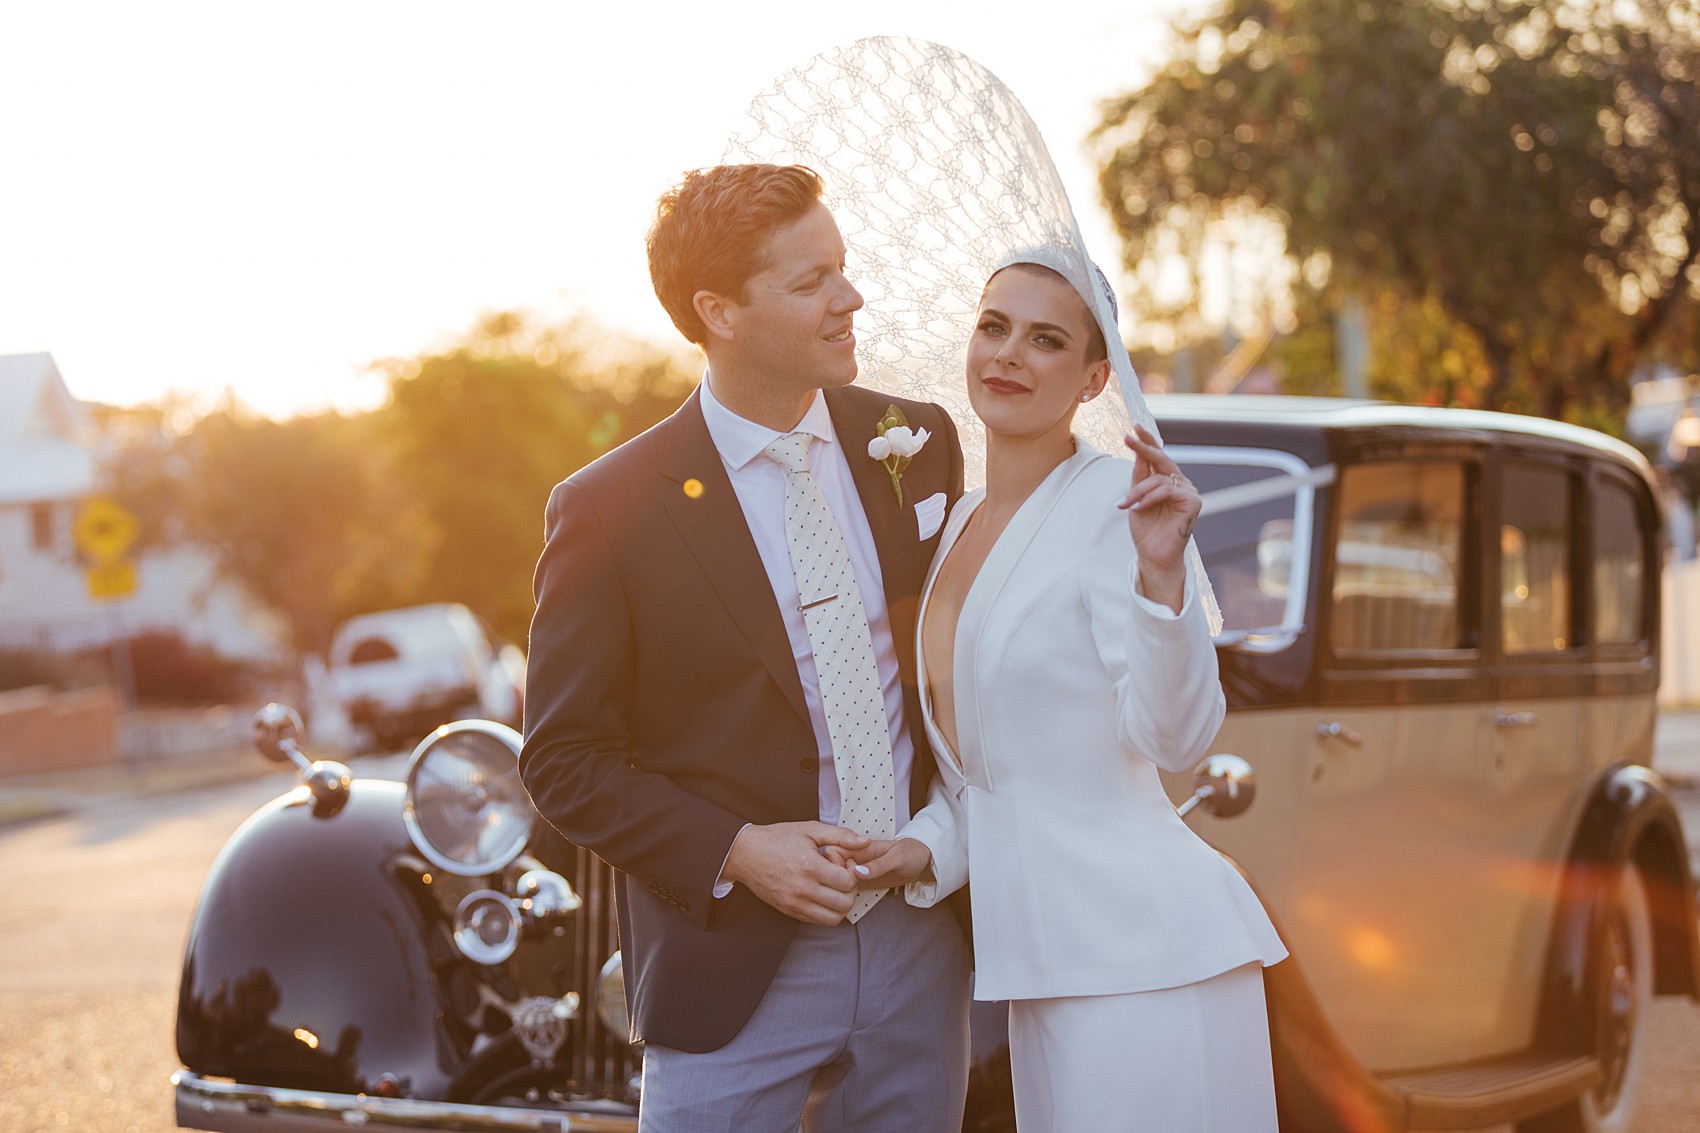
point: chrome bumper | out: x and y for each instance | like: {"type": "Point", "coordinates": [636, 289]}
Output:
{"type": "Point", "coordinates": [230, 1107]}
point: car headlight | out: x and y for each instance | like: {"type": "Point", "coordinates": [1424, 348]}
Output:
{"type": "Point", "coordinates": [486, 927]}
{"type": "Point", "coordinates": [466, 809]}
{"type": "Point", "coordinates": [611, 997]}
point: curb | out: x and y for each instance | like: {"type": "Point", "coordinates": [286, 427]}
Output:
{"type": "Point", "coordinates": [38, 798]}
{"type": "Point", "coordinates": [23, 809]}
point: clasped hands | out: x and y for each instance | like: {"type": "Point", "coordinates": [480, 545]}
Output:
{"type": "Point", "coordinates": [810, 871]}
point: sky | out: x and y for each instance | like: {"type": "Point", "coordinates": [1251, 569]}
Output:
{"type": "Point", "coordinates": [269, 198]}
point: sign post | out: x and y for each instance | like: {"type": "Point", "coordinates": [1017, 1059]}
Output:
{"type": "Point", "coordinates": [105, 531]}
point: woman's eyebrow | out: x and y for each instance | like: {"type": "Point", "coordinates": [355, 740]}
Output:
{"type": "Point", "coordinates": [1053, 327]}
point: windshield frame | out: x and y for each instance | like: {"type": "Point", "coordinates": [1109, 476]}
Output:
{"type": "Point", "coordinates": [1304, 484]}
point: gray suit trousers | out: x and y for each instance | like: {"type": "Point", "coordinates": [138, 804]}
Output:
{"type": "Point", "coordinates": [864, 1029]}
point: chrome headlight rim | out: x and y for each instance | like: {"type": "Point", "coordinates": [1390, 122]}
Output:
{"type": "Point", "coordinates": [481, 867]}
{"type": "Point", "coordinates": [611, 1006]}
{"type": "Point", "coordinates": [470, 939]}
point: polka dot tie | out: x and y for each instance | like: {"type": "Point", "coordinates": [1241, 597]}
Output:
{"type": "Point", "coordinates": [844, 653]}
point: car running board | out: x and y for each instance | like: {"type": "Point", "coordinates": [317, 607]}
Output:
{"type": "Point", "coordinates": [1491, 1093]}
{"type": "Point", "coordinates": [1323, 1089]}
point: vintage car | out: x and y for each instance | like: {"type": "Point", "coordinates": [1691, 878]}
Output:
{"type": "Point", "coordinates": [1440, 652]}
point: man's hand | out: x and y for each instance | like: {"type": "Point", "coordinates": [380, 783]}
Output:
{"type": "Point", "coordinates": [886, 864]}
{"type": "Point", "coordinates": [800, 868]}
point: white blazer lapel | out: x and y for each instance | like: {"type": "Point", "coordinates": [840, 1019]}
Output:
{"type": "Point", "coordinates": [952, 531]}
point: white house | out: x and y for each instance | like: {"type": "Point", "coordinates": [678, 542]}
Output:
{"type": "Point", "coordinates": [50, 451]}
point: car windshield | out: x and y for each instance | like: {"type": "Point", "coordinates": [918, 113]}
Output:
{"type": "Point", "coordinates": [1257, 508]}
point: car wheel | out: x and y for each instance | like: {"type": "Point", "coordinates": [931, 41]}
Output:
{"type": "Point", "coordinates": [1626, 966]}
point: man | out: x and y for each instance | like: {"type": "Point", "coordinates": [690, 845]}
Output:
{"type": "Point", "coordinates": [729, 731]}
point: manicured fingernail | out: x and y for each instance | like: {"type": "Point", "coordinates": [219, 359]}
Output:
{"type": "Point", "coordinates": [863, 870]}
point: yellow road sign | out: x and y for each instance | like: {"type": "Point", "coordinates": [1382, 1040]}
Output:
{"type": "Point", "coordinates": [114, 579]}
{"type": "Point", "coordinates": [104, 530]}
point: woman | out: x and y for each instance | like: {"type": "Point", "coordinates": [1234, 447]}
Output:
{"type": "Point", "coordinates": [1066, 657]}
{"type": "Point", "coordinates": [1064, 644]}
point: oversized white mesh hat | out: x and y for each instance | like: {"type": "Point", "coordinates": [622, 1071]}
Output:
{"type": "Point", "coordinates": [937, 177]}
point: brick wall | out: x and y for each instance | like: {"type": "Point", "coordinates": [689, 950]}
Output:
{"type": "Point", "coordinates": [42, 730]}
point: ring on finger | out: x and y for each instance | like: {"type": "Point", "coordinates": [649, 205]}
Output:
{"type": "Point", "coordinates": [1175, 478]}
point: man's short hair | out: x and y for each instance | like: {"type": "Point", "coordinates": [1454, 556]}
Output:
{"type": "Point", "coordinates": [711, 232]}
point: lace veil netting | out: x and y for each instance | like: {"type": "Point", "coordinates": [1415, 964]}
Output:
{"type": "Point", "coordinates": [937, 177]}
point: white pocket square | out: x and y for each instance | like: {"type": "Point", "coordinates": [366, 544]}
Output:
{"type": "Point", "coordinates": [929, 514]}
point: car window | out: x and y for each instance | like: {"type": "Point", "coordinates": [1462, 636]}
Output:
{"type": "Point", "coordinates": [1534, 557]}
{"type": "Point", "coordinates": [1397, 555]}
{"type": "Point", "coordinates": [371, 649]}
{"type": "Point", "coordinates": [1257, 508]}
{"type": "Point", "coordinates": [1620, 567]}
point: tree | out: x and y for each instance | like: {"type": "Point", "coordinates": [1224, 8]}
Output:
{"type": "Point", "coordinates": [436, 496]}
{"type": "Point", "coordinates": [300, 513]}
{"type": "Point", "coordinates": [481, 432]}
{"type": "Point", "coordinates": [1527, 171]}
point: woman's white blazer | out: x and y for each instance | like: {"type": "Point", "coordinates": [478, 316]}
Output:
{"type": "Point", "coordinates": [1071, 691]}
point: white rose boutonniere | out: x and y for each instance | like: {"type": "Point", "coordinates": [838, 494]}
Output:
{"type": "Point", "coordinates": [894, 445]}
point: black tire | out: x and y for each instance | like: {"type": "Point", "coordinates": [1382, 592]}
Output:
{"type": "Point", "coordinates": [1626, 965]}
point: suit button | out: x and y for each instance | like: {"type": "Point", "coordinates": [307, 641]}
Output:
{"type": "Point", "coordinates": [809, 763]}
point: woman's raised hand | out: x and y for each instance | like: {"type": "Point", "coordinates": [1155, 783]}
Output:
{"type": "Point", "coordinates": [1162, 506]}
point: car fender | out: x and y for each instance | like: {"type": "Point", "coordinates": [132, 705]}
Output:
{"type": "Point", "coordinates": [1628, 817]}
{"type": "Point", "coordinates": [316, 954]}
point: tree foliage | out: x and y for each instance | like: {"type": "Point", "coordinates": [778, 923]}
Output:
{"type": "Point", "coordinates": [1525, 173]}
{"type": "Point", "coordinates": [300, 513]}
{"type": "Point", "coordinates": [481, 432]}
{"type": "Point", "coordinates": [436, 496]}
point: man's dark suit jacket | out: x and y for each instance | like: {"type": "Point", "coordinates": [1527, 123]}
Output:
{"type": "Point", "coordinates": [663, 707]}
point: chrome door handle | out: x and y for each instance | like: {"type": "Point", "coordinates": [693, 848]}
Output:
{"type": "Point", "coordinates": [1506, 719]}
{"type": "Point", "coordinates": [1334, 730]}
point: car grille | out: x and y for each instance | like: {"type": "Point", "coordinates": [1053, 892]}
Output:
{"type": "Point", "coordinates": [603, 1064]}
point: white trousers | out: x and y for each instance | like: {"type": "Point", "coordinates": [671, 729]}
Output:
{"type": "Point", "coordinates": [1191, 1059]}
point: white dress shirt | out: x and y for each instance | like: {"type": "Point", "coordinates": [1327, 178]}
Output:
{"type": "Point", "coordinates": [759, 484]}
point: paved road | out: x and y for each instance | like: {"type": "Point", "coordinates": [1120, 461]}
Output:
{"type": "Point", "coordinates": [91, 942]}
{"type": "Point", "coordinates": [98, 899]}
{"type": "Point", "coordinates": [1676, 754]}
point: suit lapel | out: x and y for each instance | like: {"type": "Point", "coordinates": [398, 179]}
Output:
{"type": "Point", "coordinates": [896, 536]}
{"type": "Point", "coordinates": [713, 526]}
{"type": "Point", "coordinates": [903, 557]}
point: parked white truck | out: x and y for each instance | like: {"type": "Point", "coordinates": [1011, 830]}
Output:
{"type": "Point", "coordinates": [392, 676]}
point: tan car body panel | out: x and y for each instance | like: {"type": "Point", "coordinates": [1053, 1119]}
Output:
{"type": "Point", "coordinates": [1434, 808]}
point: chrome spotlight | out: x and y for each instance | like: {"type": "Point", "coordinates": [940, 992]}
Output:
{"type": "Point", "coordinates": [543, 895]}
{"type": "Point", "coordinates": [1225, 784]}
{"type": "Point", "coordinates": [487, 926]}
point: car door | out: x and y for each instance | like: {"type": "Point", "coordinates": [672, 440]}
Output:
{"type": "Point", "coordinates": [1387, 890]}
{"type": "Point", "coordinates": [1572, 688]}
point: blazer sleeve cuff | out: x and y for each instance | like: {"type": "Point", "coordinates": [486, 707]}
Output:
{"type": "Point", "coordinates": [936, 827]}
{"type": "Point", "coordinates": [1158, 610]}
{"type": "Point", "coordinates": [721, 886]}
